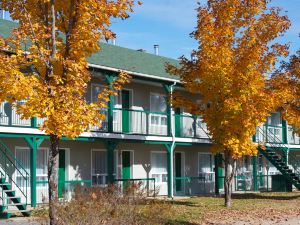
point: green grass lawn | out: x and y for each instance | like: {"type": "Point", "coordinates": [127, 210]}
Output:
{"type": "Point", "coordinates": [246, 207]}
{"type": "Point", "coordinates": [253, 208]}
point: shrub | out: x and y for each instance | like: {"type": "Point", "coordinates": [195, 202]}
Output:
{"type": "Point", "coordinates": [112, 205]}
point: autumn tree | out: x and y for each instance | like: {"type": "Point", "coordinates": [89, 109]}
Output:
{"type": "Point", "coordinates": [229, 71]}
{"type": "Point", "coordinates": [286, 84]}
{"type": "Point", "coordinates": [44, 62]}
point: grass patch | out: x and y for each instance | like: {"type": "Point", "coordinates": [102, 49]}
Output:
{"type": "Point", "coordinates": [251, 207]}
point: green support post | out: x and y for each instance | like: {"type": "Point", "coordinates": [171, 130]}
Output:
{"type": "Point", "coordinates": [110, 146]}
{"type": "Point", "coordinates": [170, 150]}
{"type": "Point", "coordinates": [110, 112]}
{"type": "Point", "coordinates": [286, 156]}
{"type": "Point", "coordinates": [34, 122]}
{"type": "Point", "coordinates": [34, 143]}
{"type": "Point", "coordinates": [284, 132]}
{"type": "Point", "coordinates": [168, 89]}
{"type": "Point", "coordinates": [217, 175]}
{"type": "Point", "coordinates": [255, 180]}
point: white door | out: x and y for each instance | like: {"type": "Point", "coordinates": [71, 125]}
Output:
{"type": "Point", "coordinates": [23, 157]}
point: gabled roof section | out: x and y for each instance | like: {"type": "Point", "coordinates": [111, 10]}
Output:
{"type": "Point", "coordinates": [118, 58]}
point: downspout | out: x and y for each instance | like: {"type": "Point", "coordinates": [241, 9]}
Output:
{"type": "Point", "coordinates": [172, 115]}
{"type": "Point", "coordinates": [173, 136]}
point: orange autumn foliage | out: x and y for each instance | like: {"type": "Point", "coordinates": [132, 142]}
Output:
{"type": "Point", "coordinates": [45, 60]}
{"type": "Point", "coordinates": [236, 51]}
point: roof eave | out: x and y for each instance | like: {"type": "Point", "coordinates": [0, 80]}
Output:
{"type": "Point", "coordinates": [135, 73]}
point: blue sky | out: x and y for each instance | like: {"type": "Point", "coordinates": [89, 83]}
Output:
{"type": "Point", "coordinates": [169, 23]}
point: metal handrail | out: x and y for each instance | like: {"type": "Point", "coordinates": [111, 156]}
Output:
{"type": "Point", "coordinates": [283, 145]}
{"type": "Point", "coordinates": [140, 179]}
{"type": "Point", "coordinates": [8, 155]}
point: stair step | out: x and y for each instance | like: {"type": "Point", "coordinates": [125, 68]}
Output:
{"type": "Point", "coordinates": [17, 211]}
{"type": "Point", "coordinates": [15, 204]}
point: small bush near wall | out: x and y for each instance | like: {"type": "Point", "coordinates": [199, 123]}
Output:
{"type": "Point", "coordinates": [109, 206]}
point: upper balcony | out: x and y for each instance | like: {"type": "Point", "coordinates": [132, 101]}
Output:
{"type": "Point", "coordinates": [148, 123]}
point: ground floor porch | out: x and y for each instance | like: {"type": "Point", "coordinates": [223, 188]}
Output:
{"type": "Point", "coordinates": [161, 168]}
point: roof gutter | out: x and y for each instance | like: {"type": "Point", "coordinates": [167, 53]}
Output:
{"type": "Point", "coordinates": [134, 73]}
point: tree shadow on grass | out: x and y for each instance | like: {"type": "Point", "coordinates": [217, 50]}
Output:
{"type": "Point", "coordinates": [266, 197]}
{"type": "Point", "coordinates": [179, 222]}
{"type": "Point", "coordinates": [185, 203]}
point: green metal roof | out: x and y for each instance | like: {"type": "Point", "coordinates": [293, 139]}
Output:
{"type": "Point", "coordinates": [118, 57]}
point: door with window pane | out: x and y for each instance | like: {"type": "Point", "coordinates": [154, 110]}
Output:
{"type": "Point", "coordinates": [206, 173]}
{"type": "Point", "coordinates": [23, 156]}
{"type": "Point", "coordinates": [99, 167]}
{"type": "Point", "coordinates": [159, 171]}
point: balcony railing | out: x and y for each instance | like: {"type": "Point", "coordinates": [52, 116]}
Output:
{"type": "Point", "coordinates": [131, 121]}
{"type": "Point", "coordinates": [141, 122]}
{"type": "Point", "coordinates": [270, 134]}
{"type": "Point", "coordinates": [190, 127]}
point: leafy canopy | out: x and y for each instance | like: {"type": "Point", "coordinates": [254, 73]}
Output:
{"type": "Point", "coordinates": [229, 70]}
{"type": "Point", "coordinates": [286, 84]}
{"type": "Point", "coordinates": [45, 60]}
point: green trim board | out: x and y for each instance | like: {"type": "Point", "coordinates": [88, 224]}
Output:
{"type": "Point", "coordinates": [126, 165]}
{"type": "Point", "coordinates": [126, 104]}
{"type": "Point", "coordinates": [110, 147]}
{"type": "Point", "coordinates": [61, 172]}
{"type": "Point", "coordinates": [178, 171]}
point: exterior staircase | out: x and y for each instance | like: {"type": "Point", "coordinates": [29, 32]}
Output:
{"type": "Point", "coordinates": [274, 152]}
{"type": "Point", "coordinates": [14, 193]}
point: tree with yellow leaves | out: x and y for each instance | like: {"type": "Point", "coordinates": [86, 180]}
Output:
{"type": "Point", "coordinates": [286, 84]}
{"type": "Point", "coordinates": [229, 71]}
{"type": "Point", "coordinates": [44, 62]}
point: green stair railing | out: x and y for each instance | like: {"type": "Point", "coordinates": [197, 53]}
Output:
{"type": "Point", "coordinates": [275, 154]}
{"type": "Point", "coordinates": [9, 164]}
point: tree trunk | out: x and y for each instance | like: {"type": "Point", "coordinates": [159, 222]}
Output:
{"type": "Point", "coordinates": [53, 178]}
{"type": "Point", "coordinates": [230, 167]}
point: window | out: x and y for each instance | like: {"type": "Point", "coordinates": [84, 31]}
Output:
{"type": "Point", "coordinates": [158, 103]}
{"type": "Point", "coordinates": [23, 157]}
{"type": "Point", "coordinates": [159, 167]}
{"type": "Point", "coordinates": [99, 167]}
{"type": "Point", "coordinates": [5, 15]}
{"type": "Point", "coordinates": [206, 166]}
{"type": "Point", "coordinates": [158, 119]}
{"type": "Point", "coordinates": [274, 119]}
{"type": "Point", "coordinates": [274, 130]}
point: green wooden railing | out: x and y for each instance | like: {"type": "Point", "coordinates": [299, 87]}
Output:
{"type": "Point", "coordinates": [188, 126]}
{"type": "Point", "coordinates": [143, 122]}
{"type": "Point", "coordinates": [133, 121]}
{"type": "Point", "coordinates": [143, 183]}
{"type": "Point", "coordinates": [195, 185]}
